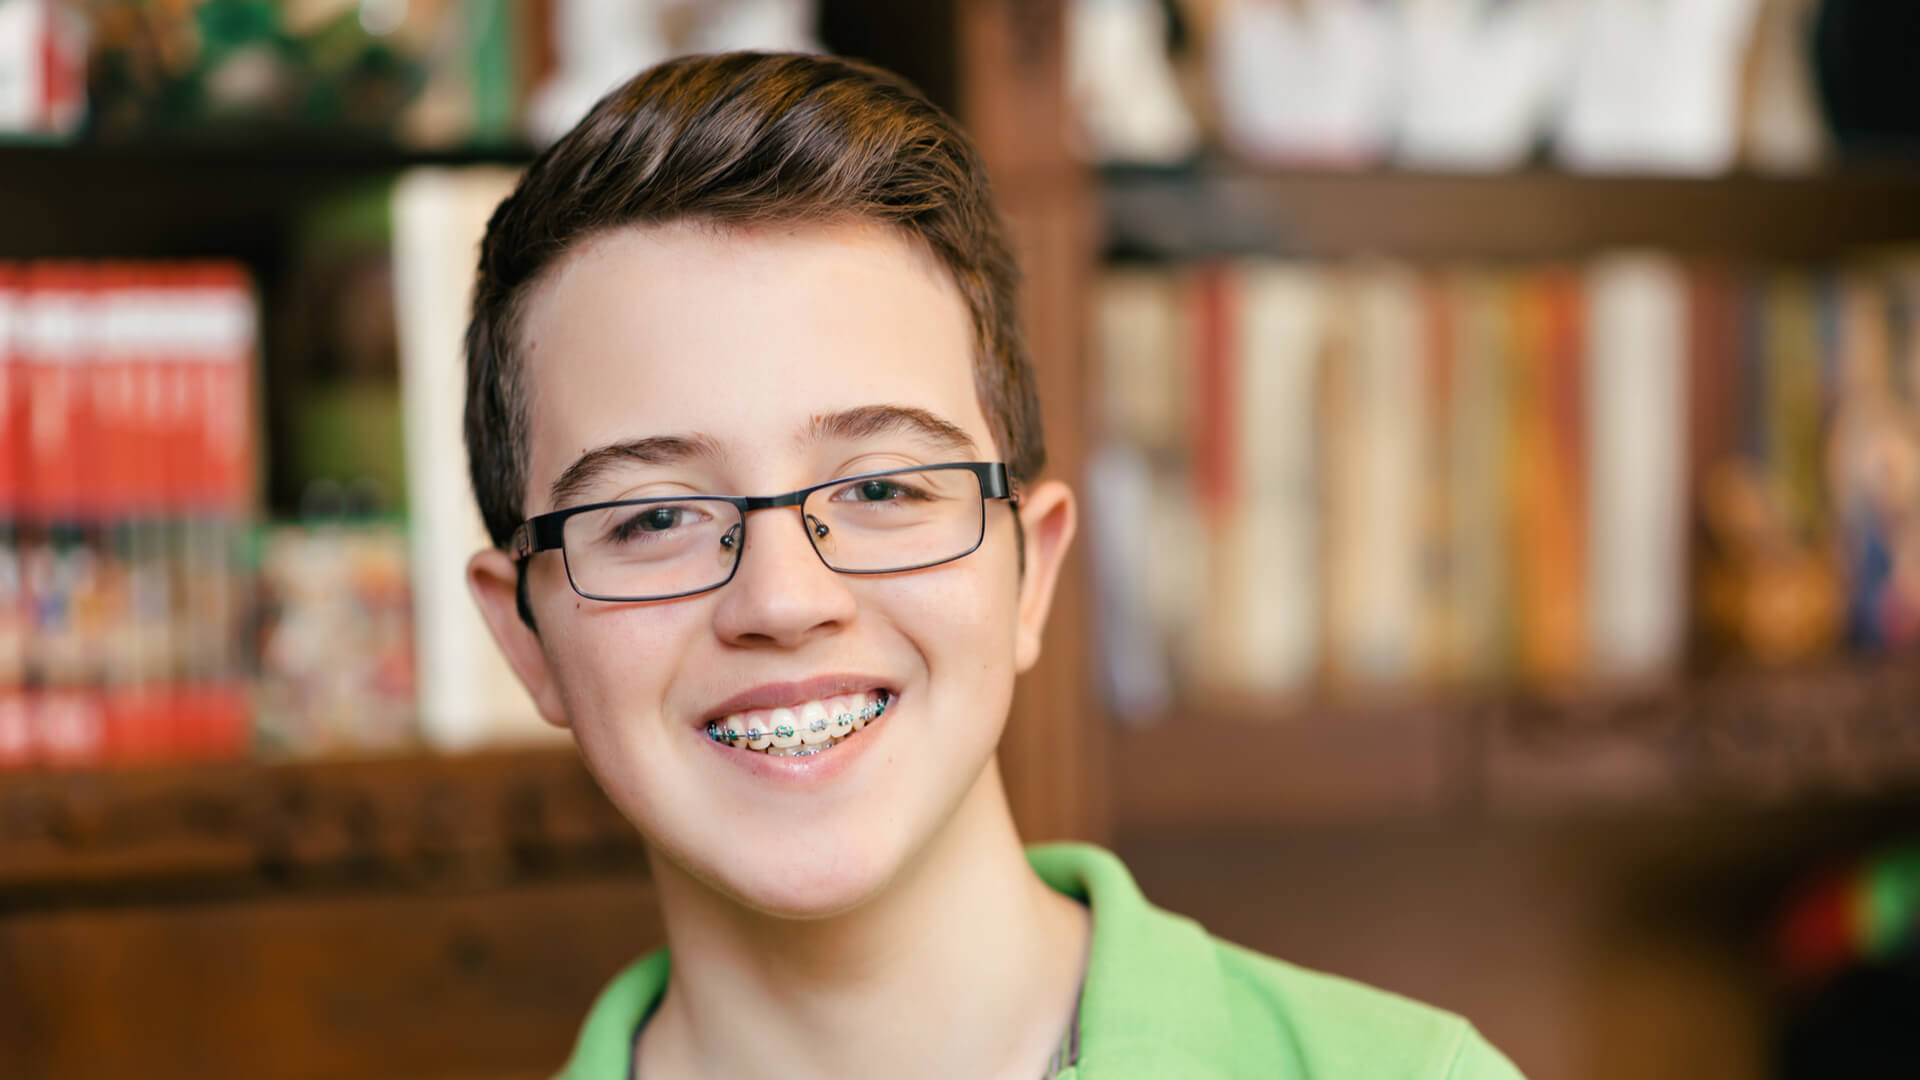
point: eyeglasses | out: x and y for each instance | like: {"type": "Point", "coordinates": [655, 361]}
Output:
{"type": "Point", "coordinates": [664, 548]}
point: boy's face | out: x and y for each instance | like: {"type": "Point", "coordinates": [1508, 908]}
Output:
{"type": "Point", "coordinates": [742, 343]}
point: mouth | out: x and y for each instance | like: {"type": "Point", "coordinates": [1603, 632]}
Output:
{"type": "Point", "coordinates": [803, 729]}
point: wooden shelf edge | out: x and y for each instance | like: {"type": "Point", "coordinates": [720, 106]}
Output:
{"type": "Point", "coordinates": [1213, 210]}
{"type": "Point", "coordinates": [499, 814]}
{"type": "Point", "coordinates": [1749, 740]}
{"type": "Point", "coordinates": [246, 151]}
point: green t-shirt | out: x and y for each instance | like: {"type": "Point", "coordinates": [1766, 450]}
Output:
{"type": "Point", "coordinates": [1163, 999]}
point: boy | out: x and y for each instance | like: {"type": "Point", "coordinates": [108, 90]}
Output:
{"type": "Point", "coordinates": [783, 276]}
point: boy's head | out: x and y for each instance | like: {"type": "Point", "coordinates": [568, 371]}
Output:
{"type": "Point", "coordinates": [745, 140]}
{"type": "Point", "coordinates": [746, 275]}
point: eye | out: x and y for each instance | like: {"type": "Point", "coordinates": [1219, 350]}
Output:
{"type": "Point", "coordinates": [877, 490]}
{"type": "Point", "coordinates": [652, 520]}
{"type": "Point", "coordinates": [882, 489]}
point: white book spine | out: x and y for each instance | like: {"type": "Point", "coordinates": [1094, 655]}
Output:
{"type": "Point", "coordinates": [1376, 496]}
{"type": "Point", "coordinates": [467, 693]}
{"type": "Point", "coordinates": [1272, 549]}
{"type": "Point", "coordinates": [1636, 399]}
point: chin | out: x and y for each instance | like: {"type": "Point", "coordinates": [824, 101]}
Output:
{"type": "Point", "coordinates": [816, 878]}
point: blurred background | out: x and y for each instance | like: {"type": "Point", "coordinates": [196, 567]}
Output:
{"type": "Point", "coordinates": [1499, 428]}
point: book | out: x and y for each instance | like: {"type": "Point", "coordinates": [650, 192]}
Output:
{"type": "Point", "coordinates": [1477, 449]}
{"type": "Point", "coordinates": [468, 696]}
{"type": "Point", "coordinates": [1263, 631]}
{"type": "Point", "coordinates": [1636, 387]}
{"type": "Point", "coordinates": [1140, 344]}
{"type": "Point", "coordinates": [1372, 468]}
{"type": "Point", "coordinates": [16, 735]}
{"type": "Point", "coordinates": [1547, 471]}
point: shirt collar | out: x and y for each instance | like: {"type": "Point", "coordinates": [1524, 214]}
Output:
{"type": "Point", "coordinates": [1153, 1003]}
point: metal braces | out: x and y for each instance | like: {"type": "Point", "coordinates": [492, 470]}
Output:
{"type": "Point", "coordinates": [843, 721]}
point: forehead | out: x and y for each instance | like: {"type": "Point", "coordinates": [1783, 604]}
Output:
{"type": "Point", "coordinates": [742, 336]}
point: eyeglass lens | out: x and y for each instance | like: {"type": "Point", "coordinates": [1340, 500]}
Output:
{"type": "Point", "coordinates": [873, 524]}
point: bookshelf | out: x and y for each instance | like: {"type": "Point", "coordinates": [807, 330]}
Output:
{"type": "Point", "coordinates": [1588, 871]}
{"type": "Point", "coordinates": [1840, 729]}
{"type": "Point", "coordinates": [453, 876]}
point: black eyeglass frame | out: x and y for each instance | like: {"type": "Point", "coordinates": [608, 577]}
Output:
{"type": "Point", "coordinates": [547, 532]}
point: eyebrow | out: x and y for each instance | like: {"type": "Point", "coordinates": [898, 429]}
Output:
{"type": "Point", "coordinates": [653, 450]}
{"type": "Point", "coordinates": [869, 420]}
{"type": "Point", "coordinates": [863, 422]}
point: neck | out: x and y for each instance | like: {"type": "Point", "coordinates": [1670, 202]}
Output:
{"type": "Point", "coordinates": [967, 965]}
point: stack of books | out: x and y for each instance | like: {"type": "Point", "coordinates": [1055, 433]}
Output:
{"type": "Point", "coordinates": [127, 461]}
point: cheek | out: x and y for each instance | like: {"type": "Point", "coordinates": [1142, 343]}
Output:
{"type": "Point", "coordinates": [615, 662]}
{"type": "Point", "coordinates": [964, 626]}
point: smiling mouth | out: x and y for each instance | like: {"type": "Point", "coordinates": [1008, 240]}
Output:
{"type": "Point", "coordinates": [812, 727]}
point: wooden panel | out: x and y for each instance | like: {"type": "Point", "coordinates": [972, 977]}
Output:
{"type": "Point", "coordinates": [1053, 755]}
{"type": "Point", "coordinates": [417, 985]}
{"type": "Point", "coordinates": [1757, 740]}
{"type": "Point", "coordinates": [419, 818]}
{"type": "Point", "coordinates": [1225, 763]}
{"type": "Point", "coordinates": [1054, 751]}
{"type": "Point", "coordinates": [914, 40]}
{"type": "Point", "coordinates": [1013, 88]}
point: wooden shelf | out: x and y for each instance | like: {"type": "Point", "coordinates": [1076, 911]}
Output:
{"type": "Point", "coordinates": [1746, 741]}
{"type": "Point", "coordinates": [225, 197]}
{"type": "Point", "coordinates": [270, 150]}
{"type": "Point", "coordinates": [1217, 208]}
{"type": "Point", "coordinates": [493, 816]}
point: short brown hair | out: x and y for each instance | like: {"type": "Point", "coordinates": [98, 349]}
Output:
{"type": "Point", "coordinates": [745, 139]}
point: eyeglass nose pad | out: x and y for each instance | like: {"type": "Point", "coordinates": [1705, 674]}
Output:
{"type": "Point", "coordinates": [819, 527]}
{"type": "Point", "coordinates": [731, 537]}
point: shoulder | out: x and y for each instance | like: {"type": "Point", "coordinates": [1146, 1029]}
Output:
{"type": "Point", "coordinates": [1165, 998]}
{"type": "Point", "coordinates": [1325, 1025]}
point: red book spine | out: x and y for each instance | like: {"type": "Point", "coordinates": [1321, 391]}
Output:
{"type": "Point", "coordinates": [1214, 356]}
{"type": "Point", "coordinates": [16, 745]}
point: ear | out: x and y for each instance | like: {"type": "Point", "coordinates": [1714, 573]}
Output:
{"type": "Point", "coordinates": [493, 578]}
{"type": "Point", "coordinates": [1049, 516]}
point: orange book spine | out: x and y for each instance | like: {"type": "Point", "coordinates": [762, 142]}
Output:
{"type": "Point", "coordinates": [1548, 509]}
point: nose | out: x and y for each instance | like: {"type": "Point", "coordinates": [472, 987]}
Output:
{"type": "Point", "coordinates": [781, 595]}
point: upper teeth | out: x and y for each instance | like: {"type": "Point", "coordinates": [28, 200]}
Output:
{"type": "Point", "coordinates": [808, 724]}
